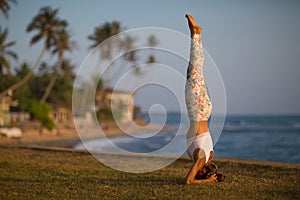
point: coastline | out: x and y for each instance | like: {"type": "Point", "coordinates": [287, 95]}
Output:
{"type": "Point", "coordinates": [233, 141]}
{"type": "Point", "coordinates": [181, 158]}
{"type": "Point", "coordinates": [69, 137]}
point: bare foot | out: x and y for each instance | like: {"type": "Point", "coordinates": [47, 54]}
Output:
{"type": "Point", "coordinates": [194, 28]}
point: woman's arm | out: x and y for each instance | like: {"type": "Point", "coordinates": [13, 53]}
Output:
{"type": "Point", "coordinates": [198, 165]}
{"type": "Point", "coordinates": [212, 179]}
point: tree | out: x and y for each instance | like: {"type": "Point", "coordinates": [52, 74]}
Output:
{"type": "Point", "coordinates": [20, 72]}
{"type": "Point", "coordinates": [61, 93]}
{"type": "Point", "coordinates": [110, 49]}
{"type": "Point", "coordinates": [47, 25]}
{"type": "Point", "coordinates": [62, 44]}
{"type": "Point", "coordinates": [152, 42]}
{"type": "Point", "coordinates": [101, 33]}
{"type": "Point", "coordinates": [44, 69]}
{"type": "Point", "coordinates": [4, 6]}
{"type": "Point", "coordinates": [123, 42]}
{"type": "Point", "coordinates": [39, 111]}
{"type": "Point", "coordinates": [5, 53]}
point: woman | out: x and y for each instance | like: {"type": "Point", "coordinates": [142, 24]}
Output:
{"type": "Point", "coordinates": [199, 109]}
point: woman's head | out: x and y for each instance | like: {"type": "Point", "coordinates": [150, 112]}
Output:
{"type": "Point", "coordinates": [208, 170]}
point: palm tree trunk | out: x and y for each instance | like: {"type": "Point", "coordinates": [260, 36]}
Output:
{"type": "Point", "coordinates": [51, 83]}
{"type": "Point", "coordinates": [27, 76]}
{"type": "Point", "coordinates": [49, 88]}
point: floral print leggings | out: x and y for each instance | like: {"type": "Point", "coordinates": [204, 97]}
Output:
{"type": "Point", "coordinates": [198, 103]}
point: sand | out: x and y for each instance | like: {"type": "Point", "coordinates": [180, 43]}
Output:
{"type": "Point", "coordinates": [64, 137]}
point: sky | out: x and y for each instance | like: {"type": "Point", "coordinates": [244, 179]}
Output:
{"type": "Point", "coordinates": [254, 44]}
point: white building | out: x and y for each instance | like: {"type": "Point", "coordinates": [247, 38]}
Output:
{"type": "Point", "coordinates": [122, 104]}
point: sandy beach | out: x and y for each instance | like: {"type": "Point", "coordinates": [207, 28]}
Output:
{"type": "Point", "coordinates": [64, 137]}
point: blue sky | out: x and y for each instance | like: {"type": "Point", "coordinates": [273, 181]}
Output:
{"type": "Point", "coordinates": [255, 44]}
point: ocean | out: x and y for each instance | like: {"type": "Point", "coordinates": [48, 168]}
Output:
{"type": "Point", "coordinates": [269, 138]}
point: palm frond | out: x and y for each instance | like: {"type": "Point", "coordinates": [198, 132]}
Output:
{"type": "Point", "coordinates": [5, 52]}
{"type": "Point", "coordinates": [5, 7]}
{"type": "Point", "coordinates": [12, 54]}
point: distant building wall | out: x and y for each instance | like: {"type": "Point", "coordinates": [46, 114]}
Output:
{"type": "Point", "coordinates": [122, 104]}
{"type": "Point", "coordinates": [62, 116]}
{"type": "Point", "coordinates": [4, 113]}
{"type": "Point", "coordinates": [10, 113]}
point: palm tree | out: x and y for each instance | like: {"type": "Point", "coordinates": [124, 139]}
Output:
{"type": "Point", "coordinates": [101, 33]}
{"type": "Point", "coordinates": [62, 44]}
{"type": "Point", "coordinates": [5, 52]}
{"type": "Point", "coordinates": [61, 93]}
{"type": "Point", "coordinates": [152, 42]}
{"type": "Point", "coordinates": [67, 69]}
{"type": "Point", "coordinates": [125, 44]}
{"type": "Point", "coordinates": [4, 6]}
{"type": "Point", "coordinates": [47, 26]}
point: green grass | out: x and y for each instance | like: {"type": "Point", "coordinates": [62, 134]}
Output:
{"type": "Point", "coordinates": [41, 174]}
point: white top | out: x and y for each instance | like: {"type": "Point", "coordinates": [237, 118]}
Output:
{"type": "Point", "coordinates": [202, 141]}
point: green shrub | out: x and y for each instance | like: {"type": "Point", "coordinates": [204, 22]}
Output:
{"type": "Point", "coordinates": [39, 111]}
{"type": "Point", "coordinates": [105, 114]}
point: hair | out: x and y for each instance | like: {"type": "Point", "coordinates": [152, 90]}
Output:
{"type": "Point", "coordinates": [210, 169]}
{"type": "Point", "coordinates": [220, 177]}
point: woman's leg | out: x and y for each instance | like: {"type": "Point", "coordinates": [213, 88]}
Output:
{"type": "Point", "coordinates": [198, 103]}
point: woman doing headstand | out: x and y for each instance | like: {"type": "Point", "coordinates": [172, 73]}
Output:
{"type": "Point", "coordinates": [199, 109]}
